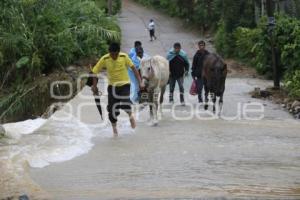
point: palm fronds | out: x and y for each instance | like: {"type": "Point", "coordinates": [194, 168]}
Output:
{"type": "Point", "coordinates": [47, 34]}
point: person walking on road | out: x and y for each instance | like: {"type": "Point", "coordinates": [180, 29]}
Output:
{"type": "Point", "coordinates": [151, 28]}
{"type": "Point", "coordinates": [197, 67]}
{"type": "Point", "coordinates": [179, 67]}
{"type": "Point", "coordinates": [116, 64]}
{"type": "Point", "coordinates": [134, 86]}
{"type": "Point", "coordinates": [132, 51]}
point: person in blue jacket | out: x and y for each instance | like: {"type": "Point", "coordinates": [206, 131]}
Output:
{"type": "Point", "coordinates": [132, 51]}
{"type": "Point", "coordinates": [179, 67]}
{"type": "Point", "coordinates": [134, 87]}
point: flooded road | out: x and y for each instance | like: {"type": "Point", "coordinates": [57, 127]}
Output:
{"type": "Point", "coordinates": [245, 154]}
{"type": "Point", "coordinates": [203, 159]}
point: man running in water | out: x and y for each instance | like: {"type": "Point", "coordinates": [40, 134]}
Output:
{"type": "Point", "coordinates": [117, 64]}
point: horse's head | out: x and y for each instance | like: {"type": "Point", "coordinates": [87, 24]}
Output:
{"type": "Point", "coordinates": [147, 70]}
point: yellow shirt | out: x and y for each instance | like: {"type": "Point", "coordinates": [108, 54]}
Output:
{"type": "Point", "coordinates": [117, 70]}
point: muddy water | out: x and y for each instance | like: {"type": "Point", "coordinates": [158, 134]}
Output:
{"type": "Point", "coordinates": [183, 157]}
{"type": "Point", "coordinates": [189, 155]}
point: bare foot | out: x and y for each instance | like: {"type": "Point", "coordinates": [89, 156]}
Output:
{"type": "Point", "coordinates": [115, 130]}
{"type": "Point", "coordinates": [132, 122]}
{"type": "Point", "coordinates": [154, 123]}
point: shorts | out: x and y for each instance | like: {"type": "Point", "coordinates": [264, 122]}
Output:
{"type": "Point", "coordinates": [118, 98]}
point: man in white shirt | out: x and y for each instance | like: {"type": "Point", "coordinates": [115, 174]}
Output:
{"type": "Point", "coordinates": [151, 28]}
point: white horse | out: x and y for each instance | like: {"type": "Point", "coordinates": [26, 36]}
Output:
{"type": "Point", "coordinates": [155, 76]}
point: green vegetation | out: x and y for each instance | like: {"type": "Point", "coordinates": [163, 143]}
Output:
{"type": "Point", "coordinates": [241, 32]}
{"type": "Point", "coordinates": [207, 14]}
{"type": "Point", "coordinates": [40, 36]}
{"type": "Point", "coordinates": [292, 83]}
{"type": "Point", "coordinates": [116, 5]}
{"type": "Point", "coordinates": [37, 36]}
{"type": "Point", "coordinates": [253, 47]}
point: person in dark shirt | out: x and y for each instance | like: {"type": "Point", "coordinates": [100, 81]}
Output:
{"type": "Point", "coordinates": [179, 66]}
{"type": "Point", "coordinates": [197, 68]}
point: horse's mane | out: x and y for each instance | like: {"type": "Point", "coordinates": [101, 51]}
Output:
{"type": "Point", "coordinates": [217, 58]}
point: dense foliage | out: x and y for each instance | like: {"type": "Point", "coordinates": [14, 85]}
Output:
{"type": "Point", "coordinates": [37, 36]}
{"type": "Point", "coordinates": [207, 14]}
{"type": "Point", "coordinates": [241, 31]}
{"type": "Point", "coordinates": [40, 36]}
{"type": "Point", "coordinates": [252, 46]}
{"type": "Point", "coordinates": [116, 5]}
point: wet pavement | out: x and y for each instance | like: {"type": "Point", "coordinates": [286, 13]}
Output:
{"type": "Point", "coordinates": [251, 152]}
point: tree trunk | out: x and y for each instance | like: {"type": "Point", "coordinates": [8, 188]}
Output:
{"type": "Point", "coordinates": [209, 9]}
{"type": "Point", "coordinates": [290, 8]}
{"type": "Point", "coordinates": [109, 7]}
{"type": "Point", "coordinates": [262, 7]}
{"type": "Point", "coordinates": [256, 10]}
{"type": "Point", "coordinates": [270, 11]}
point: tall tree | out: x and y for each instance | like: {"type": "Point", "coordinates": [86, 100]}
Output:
{"type": "Point", "coordinates": [109, 7]}
{"type": "Point", "coordinates": [270, 11]}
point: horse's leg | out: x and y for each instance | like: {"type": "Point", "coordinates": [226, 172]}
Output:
{"type": "Point", "coordinates": [161, 100]}
{"type": "Point", "coordinates": [214, 100]}
{"type": "Point", "coordinates": [155, 105]}
{"type": "Point", "coordinates": [162, 92]}
{"type": "Point", "coordinates": [151, 111]}
{"type": "Point", "coordinates": [155, 119]}
{"type": "Point", "coordinates": [206, 97]}
{"type": "Point", "coordinates": [151, 105]}
{"type": "Point", "coordinates": [221, 103]}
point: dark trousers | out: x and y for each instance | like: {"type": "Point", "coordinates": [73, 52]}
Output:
{"type": "Point", "coordinates": [118, 98]}
{"type": "Point", "coordinates": [172, 82]}
{"type": "Point", "coordinates": [199, 83]}
{"type": "Point", "coordinates": [152, 34]}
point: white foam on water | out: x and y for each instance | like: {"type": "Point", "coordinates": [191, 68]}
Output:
{"type": "Point", "coordinates": [16, 130]}
{"type": "Point", "coordinates": [57, 141]}
{"type": "Point", "coordinates": [41, 142]}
